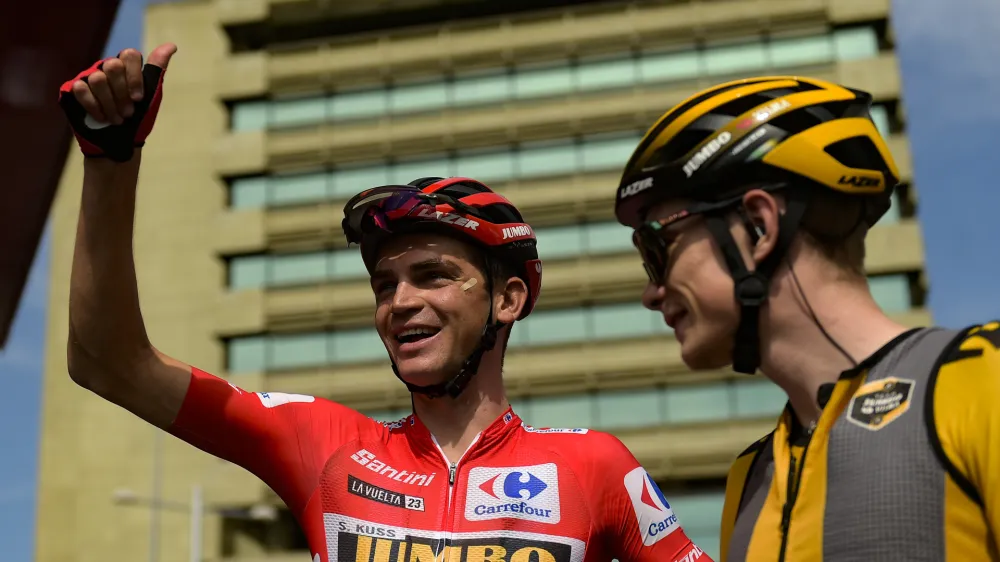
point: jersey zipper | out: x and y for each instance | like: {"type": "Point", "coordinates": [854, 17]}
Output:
{"type": "Point", "coordinates": [452, 479]}
{"type": "Point", "coordinates": [792, 493]}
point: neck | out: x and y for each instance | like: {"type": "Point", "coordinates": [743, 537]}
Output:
{"type": "Point", "coordinates": [799, 358]}
{"type": "Point", "coordinates": [455, 422]}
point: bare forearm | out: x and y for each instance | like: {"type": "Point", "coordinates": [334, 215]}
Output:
{"type": "Point", "coordinates": [106, 325]}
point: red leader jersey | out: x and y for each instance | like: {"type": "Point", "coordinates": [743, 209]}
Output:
{"type": "Point", "coordinates": [367, 491]}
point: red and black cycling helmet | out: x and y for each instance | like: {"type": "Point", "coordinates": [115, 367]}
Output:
{"type": "Point", "coordinates": [460, 207]}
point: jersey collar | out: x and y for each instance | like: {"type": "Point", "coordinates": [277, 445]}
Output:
{"type": "Point", "coordinates": [489, 439]}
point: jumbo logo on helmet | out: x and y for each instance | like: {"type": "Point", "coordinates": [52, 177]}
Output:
{"type": "Point", "coordinates": [512, 232]}
{"type": "Point", "coordinates": [699, 158]}
{"type": "Point", "coordinates": [770, 109]}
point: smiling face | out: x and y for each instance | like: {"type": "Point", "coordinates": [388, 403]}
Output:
{"type": "Point", "coordinates": [696, 299]}
{"type": "Point", "coordinates": [426, 314]}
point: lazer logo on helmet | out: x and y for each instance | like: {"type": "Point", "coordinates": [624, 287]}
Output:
{"type": "Point", "coordinates": [449, 218]}
{"type": "Point", "coordinates": [512, 232]}
{"type": "Point", "coordinates": [699, 158]}
{"type": "Point", "coordinates": [859, 181]}
{"type": "Point", "coordinates": [523, 492]}
{"type": "Point", "coordinates": [636, 187]}
{"type": "Point", "coordinates": [652, 512]}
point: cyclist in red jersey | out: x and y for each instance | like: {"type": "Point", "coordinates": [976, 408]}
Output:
{"type": "Point", "coordinates": [453, 266]}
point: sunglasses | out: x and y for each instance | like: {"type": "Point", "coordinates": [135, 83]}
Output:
{"type": "Point", "coordinates": [375, 210]}
{"type": "Point", "coordinates": [653, 243]}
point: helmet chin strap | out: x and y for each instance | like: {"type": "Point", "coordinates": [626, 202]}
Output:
{"type": "Point", "coordinates": [752, 287]}
{"type": "Point", "coordinates": [460, 381]}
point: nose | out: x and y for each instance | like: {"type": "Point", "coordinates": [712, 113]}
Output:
{"type": "Point", "coordinates": [653, 295]}
{"type": "Point", "coordinates": [405, 299]}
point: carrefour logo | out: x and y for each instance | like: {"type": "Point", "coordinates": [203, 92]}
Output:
{"type": "Point", "coordinates": [652, 511]}
{"type": "Point", "coordinates": [524, 492]}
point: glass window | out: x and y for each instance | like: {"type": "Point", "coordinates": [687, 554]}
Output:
{"type": "Point", "coordinates": [357, 345]}
{"type": "Point", "coordinates": [699, 512]}
{"type": "Point", "coordinates": [247, 354]}
{"type": "Point", "coordinates": [623, 321]}
{"type": "Point", "coordinates": [297, 268]}
{"type": "Point", "coordinates": [880, 115]}
{"type": "Point", "coordinates": [536, 81]}
{"type": "Point", "coordinates": [629, 409]}
{"type": "Point", "coordinates": [295, 112]}
{"type": "Point", "coordinates": [855, 43]}
{"type": "Point", "coordinates": [419, 97]}
{"type": "Point", "coordinates": [556, 326]}
{"type": "Point", "coordinates": [359, 104]}
{"type": "Point", "coordinates": [891, 216]}
{"type": "Point", "coordinates": [732, 59]}
{"type": "Point", "coordinates": [560, 411]}
{"type": "Point", "coordinates": [607, 154]}
{"type": "Point", "coordinates": [297, 189]}
{"type": "Point", "coordinates": [559, 241]}
{"type": "Point", "coordinates": [346, 264]}
{"type": "Point", "coordinates": [248, 193]}
{"type": "Point", "coordinates": [607, 237]}
{"type": "Point", "coordinates": [247, 271]}
{"type": "Point", "coordinates": [539, 82]}
{"type": "Point", "coordinates": [348, 182]}
{"type": "Point", "coordinates": [800, 51]}
{"type": "Point", "coordinates": [250, 115]}
{"type": "Point", "coordinates": [404, 172]}
{"type": "Point", "coordinates": [758, 399]}
{"type": "Point", "coordinates": [537, 159]}
{"type": "Point", "coordinates": [696, 403]}
{"type": "Point", "coordinates": [481, 89]}
{"type": "Point", "coordinates": [670, 66]}
{"type": "Point", "coordinates": [891, 292]}
{"type": "Point", "coordinates": [487, 166]}
{"type": "Point", "coordinates": [606, 74]}
{"type": "Point", "coordinates": [299, 350]}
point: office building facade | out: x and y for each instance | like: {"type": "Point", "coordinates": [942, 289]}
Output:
{"type": "Point", "coordinates": [277, 111]}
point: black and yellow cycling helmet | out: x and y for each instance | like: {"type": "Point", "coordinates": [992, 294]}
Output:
{"type": "Point", "coordinates": [791, 133]}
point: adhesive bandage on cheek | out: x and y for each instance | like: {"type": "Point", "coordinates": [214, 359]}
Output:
{"type": "Point", "coordinates": [469, 284]}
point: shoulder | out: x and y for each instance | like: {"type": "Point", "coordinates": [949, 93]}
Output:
{"type": "Point", "coordinates": [593, 456]}
{"type": "Point", "coordinates": [968, 371]}
{"type": "Point", "coordinates": [962, 412]}
{"type": "Point", "coordinates": [980, 341]}
{"type": "Point", "coordinates": [579, 443]}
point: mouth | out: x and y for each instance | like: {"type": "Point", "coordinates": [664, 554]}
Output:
{"type": "Point", "coordinates": [674, 317]}
{"type": "Point", "coordinates": [414, 339]}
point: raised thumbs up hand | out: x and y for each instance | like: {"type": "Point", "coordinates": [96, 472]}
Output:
{"type": "Point", "coordinates": [112, 105]}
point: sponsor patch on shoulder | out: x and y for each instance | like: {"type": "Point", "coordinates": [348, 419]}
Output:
{"type": "Point", "coordinates": [577, 430]}
{"type": "Point", "coordinates": [878, 403]}
{"type": "Point", "coordinates": [272, 399]}
{"type": "Point", "coordinates": [652, 511]}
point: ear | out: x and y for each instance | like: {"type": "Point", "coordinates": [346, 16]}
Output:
{"type": "Point", "coordinates": [764, 211]}
{"type": "Point", "coordinates": [510, 300]}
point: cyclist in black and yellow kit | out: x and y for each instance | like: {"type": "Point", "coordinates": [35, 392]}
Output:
{"type": "Point", "coordinates": [889, 448]}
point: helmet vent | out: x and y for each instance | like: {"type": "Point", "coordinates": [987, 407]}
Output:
{"type": "Point", "coordinates": [857, 152]}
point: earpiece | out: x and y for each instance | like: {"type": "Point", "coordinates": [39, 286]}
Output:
{"type": "Point", "coordinates": [759, 229]}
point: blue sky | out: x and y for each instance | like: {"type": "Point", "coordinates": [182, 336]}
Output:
{"type": "Point", "coordinates": [948, 57]}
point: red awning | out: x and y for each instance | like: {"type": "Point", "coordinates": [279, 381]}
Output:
{"type": "Point", "coordinates": [42, 44]}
